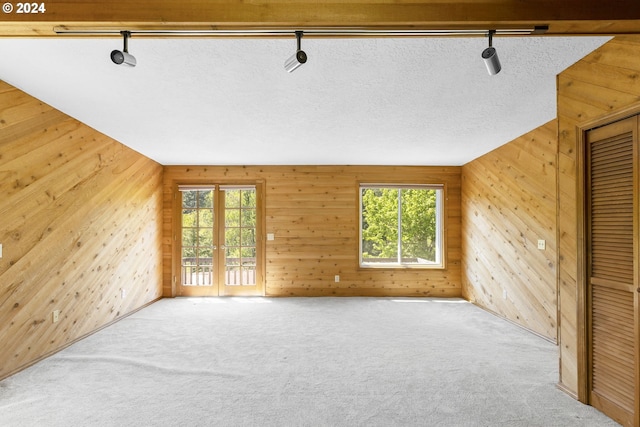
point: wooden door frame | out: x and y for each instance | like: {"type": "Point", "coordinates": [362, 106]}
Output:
{"type": "Point", "coordinates": [582, 297]}
{"type": "Point", "coordinates": [176, 213]}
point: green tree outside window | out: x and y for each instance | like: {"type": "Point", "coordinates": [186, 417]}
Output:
{"type": "Point", "coordinates": [401, 225]}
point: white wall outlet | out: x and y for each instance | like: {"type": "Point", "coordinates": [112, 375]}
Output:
{"type": "Point", "coordinates": [504, 294]}
{"type": "Point", "coordinates": [123, 293]}
{"type": "Point", "coordinates": [55, 316]}
{"type": "Point", "coordinates": [336, 278]}
{"type": "Point", "coordinates": [542, 244]}
{"type": "Point", "coordinates": [271, 236]}
{"type": "Point", "coordinates": [0, 250]}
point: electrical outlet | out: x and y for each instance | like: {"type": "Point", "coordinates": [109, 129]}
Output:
{"type": "Point", "coordinates": [337, 278]}
{"type": "Point", "coordinates": [271, 236]}
{"type": "Point", "coordinates": [504, 294]}
{"type": "Point", "coordinates": [55, 316]}
{"type": "Point", "coordinates": [542, 244]}
{"type": "Point", "coordinates": [123, 293]}
{"type": "Point", "coordinates": [0, 250]}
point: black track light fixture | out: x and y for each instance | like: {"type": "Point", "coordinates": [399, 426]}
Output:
{"type": "Point", "coordinates": [490, 57]}
{"type": "Point", "coordinates": [298, 58]}
{"type": "Point", "coordinates": [123, 57]}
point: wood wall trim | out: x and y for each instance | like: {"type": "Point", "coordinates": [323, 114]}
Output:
{"type": "Point", "coordinates": [567, 17]}
{"type": "Point", "coordinates": [568, 391]}
{"type": "Point", "coordinates": [581, 243]}
{"type": "Point", "coordinates": [620, 114]}
{"type": "Point", "coordinates": [519, 325]}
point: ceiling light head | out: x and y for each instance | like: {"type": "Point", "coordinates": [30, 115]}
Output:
{"type": "Point", "coordinates": [298, 58]}
{"type": "Point", "coordinates": [491, 60]}
{"type": "Point", "coordinates": [295, 61]}
{"type": "Point", "coordinates": [490, 56]}
{"type": "Point", "coordinates": [123, 57]}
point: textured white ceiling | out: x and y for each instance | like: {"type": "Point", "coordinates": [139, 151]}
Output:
{"type": "Point", "coordinates": [414, 101]}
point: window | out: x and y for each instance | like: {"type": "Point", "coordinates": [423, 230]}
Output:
{"type": "Point", "coordinates": [401, 226]}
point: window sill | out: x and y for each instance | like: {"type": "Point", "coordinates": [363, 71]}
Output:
{"type": "Point", "coordinates": [402, 267]}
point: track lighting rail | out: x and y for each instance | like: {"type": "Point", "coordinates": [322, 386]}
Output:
{"type": "Point", "coordinates": [311, 32]}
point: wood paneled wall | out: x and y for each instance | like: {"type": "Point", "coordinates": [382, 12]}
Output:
{"type": "Point", "coordinates": [313, 213]}
{"type": "Point", "coordinates": [80, 222]}
{"type": "Point", "coordinates": [604, 82]}
{"type": "Point", "coordinates": [508, 204]}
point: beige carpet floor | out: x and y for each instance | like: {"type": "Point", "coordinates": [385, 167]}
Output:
{"type": "Point", "coordinates": [299, 362]}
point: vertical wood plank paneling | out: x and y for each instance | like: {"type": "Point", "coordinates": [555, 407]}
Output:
{"type": "Point", "coordinates": [508, 203]}
{"type": "Point", "coordinates": [313, 213]}
{"type": "Point", "coordinates": [81, 222]}
{"type": "Point", "coordinates": [598, 85]}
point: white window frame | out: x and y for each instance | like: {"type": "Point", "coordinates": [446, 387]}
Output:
{"type": "Point", "coordinates": [440, 227]}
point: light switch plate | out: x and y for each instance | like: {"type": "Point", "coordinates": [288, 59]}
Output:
{"type": "Point", "coordinates": [0, 250]}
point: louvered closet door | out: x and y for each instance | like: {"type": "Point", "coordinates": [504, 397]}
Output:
{"type": "Point", "coordinates": [612, 212]}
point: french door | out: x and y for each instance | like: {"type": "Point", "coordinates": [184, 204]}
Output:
{"type": "Point", "coordinates": [613, 285]}
{"type": "Point", "coordinates": [219, 241]}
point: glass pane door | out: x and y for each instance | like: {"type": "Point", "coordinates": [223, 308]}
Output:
{"type": "Point", "coordinates": [198, 271]}
{"type": "Point", "coordinates": [240, 221]}
{"type": "Point", "coordinates": [219, 241]}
